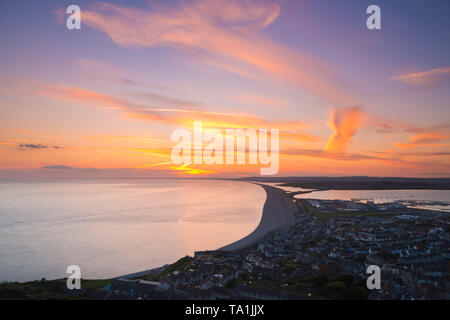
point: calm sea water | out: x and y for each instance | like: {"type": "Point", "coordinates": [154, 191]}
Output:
{"type": "Point", "coordinates": [385, 196]}
{"type": "Point", "coordinates": [115, 227]}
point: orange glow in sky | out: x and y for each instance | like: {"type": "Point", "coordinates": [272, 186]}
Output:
{"type": "Point", "coordinates": [104, 100]}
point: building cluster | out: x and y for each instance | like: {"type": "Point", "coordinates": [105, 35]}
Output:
{"type": "Point", "coordinates": [316, 258]}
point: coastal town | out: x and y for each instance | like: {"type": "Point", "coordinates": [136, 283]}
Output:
{"type": "Point", "coordinates": [323, 255]}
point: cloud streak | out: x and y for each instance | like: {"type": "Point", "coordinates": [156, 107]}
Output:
{"type": "Point", "coordinates": [105, 72]}
{"type": "Point", "coordinates": [32, 146]}
{"type": "Point", "coordinates": [424, 78]}
{"type": "Point", "coordinates": [182, 116]}
{"type": "Point", "coordinates": [36, 146]}
{"type": "Point", "coordinates": [423, 139]}
{"type": "Point", "coordinates": [437, 135]}
{"type": "Point", "coordinates": [58, 167]}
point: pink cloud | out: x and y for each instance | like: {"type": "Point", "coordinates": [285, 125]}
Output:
{"type": "Point", "coordinates": [181, 115]}
{"type": "Point", "coordinates": [423, 139]}
{"type": "Point", "coordinates": [223, 33]}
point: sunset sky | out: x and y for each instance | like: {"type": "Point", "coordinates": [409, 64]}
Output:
{"type": "Point", "coordinates": [103, 101]}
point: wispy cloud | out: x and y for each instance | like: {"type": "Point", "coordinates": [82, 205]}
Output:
{"type": "Point", "coordinates": [436, 135]}
{"type": "Point", "coordinates": [174, 116]}
{"type": "Point", "coordinates": [36, 146]}
{"type": "Point", "coordinates": [225, 32]}
{"type": "Point", "coordinates": [423, 139]}
{"type": "Point", "coordinates": [105, 72]}
{"type": "Point", "coordinates": [262, 100]}
{"type": "Point", "coordinates": [155, 164]}
{"type": "Point", "coordinates": [424, 78]}
{"type": "Point", "coordinates": [166, 100]}
{"type": "Point", "coordinates": [32, 146]}
{"type": "Point", "coordinates": [313, 153]}
{"type": "Point", "coordinates": [383, 125]}
{"type": "Point", "coordinates": [58, 167]}
{"type": "Point", "coordinates": [345, 123]}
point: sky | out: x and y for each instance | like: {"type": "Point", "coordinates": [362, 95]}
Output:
{"type": "Point", "coordinates": [103, 101]}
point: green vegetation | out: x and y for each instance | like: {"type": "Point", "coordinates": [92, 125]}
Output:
{"type": "Point", "coordinates": [47, 289]}
{"type": "Point", "coordinates": [12, 293]}
{"type": "Point", "coordinates": [52, 289]}
{"type": "Point", "coordinates": [180, 265]}
{"type": "Point", "coordinates": [232, 283]}
{"type": "Point", "coordinates": [327, 215]}
{"type": "Point", "coordinates": [340, 290]}
{"type": "Point", "coordinates": [95, 284]}
{"type": "Point", "coordinates": [288, 265]}
{"type": "Point", "coordinates": [342, 287]}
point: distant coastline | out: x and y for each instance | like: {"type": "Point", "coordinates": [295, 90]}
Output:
{"type": "Point", "coordinates": [358, 183]}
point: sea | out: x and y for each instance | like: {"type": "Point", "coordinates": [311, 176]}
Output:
{"type": "Point", "coordinates": [111, 227]}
